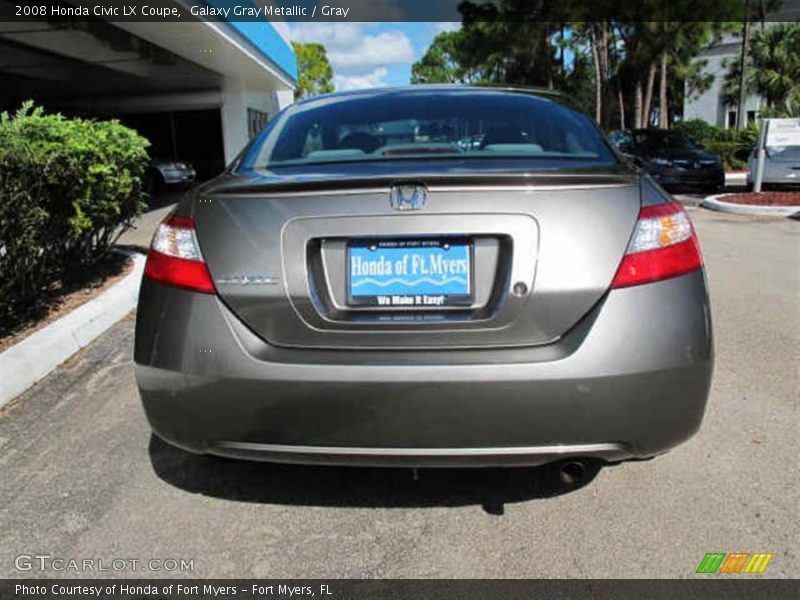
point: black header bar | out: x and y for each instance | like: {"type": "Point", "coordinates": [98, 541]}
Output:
{"type": "Point", "coordinates": [552, 11]}
{"type": "Point", "coordinates": [709, 586]}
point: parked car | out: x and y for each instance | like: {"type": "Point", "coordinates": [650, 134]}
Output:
{"type": "Point", "coordinates": [330, 301]}
{"type": "Point", "coordinates": [163, 173]}
{"type": "Point", "coordinates": [781, 167]}
{"type": "Point", "coordinates": [672, 159]}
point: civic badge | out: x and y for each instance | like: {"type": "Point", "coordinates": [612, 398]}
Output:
{"type": "Point", "coordinates": [254, 279]}
{"type": "Point", "coordinates": [408, 197]}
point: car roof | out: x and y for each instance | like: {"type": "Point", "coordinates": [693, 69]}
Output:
{"type": "Point", "coordinates": [440, 87]}
{"type": "Point", "coordinates": [653, 130]}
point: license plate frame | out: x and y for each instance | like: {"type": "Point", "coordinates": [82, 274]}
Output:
{"type": "Point", "coordinates": [433, 290]}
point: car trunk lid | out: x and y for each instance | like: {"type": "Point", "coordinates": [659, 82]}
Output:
{"type": "Point", "coordinates": [541, 250]}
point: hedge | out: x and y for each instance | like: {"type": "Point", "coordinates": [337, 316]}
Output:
{"type": "Point", "coordinates": [68, 189]}
{"type": "Point", "coordinates": [733, 155]}
{"type": "Point", "coordinates": [733, 145]}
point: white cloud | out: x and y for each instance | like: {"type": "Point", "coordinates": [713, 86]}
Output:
{"type": "Point", "coordinates": [446, 26]}
{"type": "Point", "coordinates": [384, 49]}
{"type": "Point", "coordinates": [359, 59]}
{"type": "Point", "coordinates": [329, 34]}
{"type": "Point", "coordinates": [360, 82]}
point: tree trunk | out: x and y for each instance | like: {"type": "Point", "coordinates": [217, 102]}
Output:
{"type": "Point", "coordinates": [648, 95]}
{"type": "Point", "coordinates": [598, 95]}
{"type": "Point", "coordinates": [663, 108]}
{"type": "Point", "coordinates": [741, 108]}
{"type": "Point", "coordinates": [621, 99]}
{"type": "Point", "coordinates": [637, 109]}
{"type": "Point", "coordinates": [604, 72]}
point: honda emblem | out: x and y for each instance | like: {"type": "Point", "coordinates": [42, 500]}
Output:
{"type": "Point", "coordinates": [408, 197]}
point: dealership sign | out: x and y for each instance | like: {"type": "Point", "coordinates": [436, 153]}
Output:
{"type": "Point", "coordinates": [782, 133]}
{"type": "Point", "coordinates": [775, 135]}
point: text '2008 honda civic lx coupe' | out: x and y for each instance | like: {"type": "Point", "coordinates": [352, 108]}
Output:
{"type": "Point", "coordinates": [426, 276]}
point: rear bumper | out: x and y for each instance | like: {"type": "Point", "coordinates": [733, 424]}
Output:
{"type": "Point", "coordinates": [419, 457]}
{"type": "Point", "coordinates": [630, 384]}
{"type": "Point", "coordinates": [788, 177]}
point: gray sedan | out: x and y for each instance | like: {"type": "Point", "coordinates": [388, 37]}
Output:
{"type": "Point", "coordinates": [163, 173]}
{"type": "Point", "coordinates": [426, 276]}
{"type": "Point", "coordinates": [781, 167]}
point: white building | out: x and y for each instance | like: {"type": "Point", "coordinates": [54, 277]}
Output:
{"type": "Point", "coordinates": [198, 90]}
{"type": "Point", "coordinates": [709, 106]}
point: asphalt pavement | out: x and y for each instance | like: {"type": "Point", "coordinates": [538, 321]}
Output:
{"type": "Point", "coordinates": [81, 477]}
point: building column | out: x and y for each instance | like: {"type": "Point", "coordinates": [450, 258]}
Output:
{"type": "Point", "coordinates": [284, 98]}
{"type": "Point", "coordinates": [234, 118]}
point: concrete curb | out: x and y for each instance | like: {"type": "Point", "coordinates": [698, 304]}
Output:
{"type": "Point", "coordinates": [714, 203]}
{"type": "Point", "coordinates": [28, 361]}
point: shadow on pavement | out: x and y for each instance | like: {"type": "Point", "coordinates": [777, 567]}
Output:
{"type": "Point", "coordinates": [266, 483]}
{"type": "Point", "coordinates": [692, 197]}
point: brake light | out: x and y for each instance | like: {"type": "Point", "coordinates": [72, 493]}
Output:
{"type": "Point", "coordinates": [663, 245]}
{"type": "Point", "coordinates": [175, 259]}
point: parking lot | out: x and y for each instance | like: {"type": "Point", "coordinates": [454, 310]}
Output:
{"type": "Point", "coordinates": [83, 478]}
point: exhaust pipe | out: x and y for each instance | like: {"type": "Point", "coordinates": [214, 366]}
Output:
{"type": "Point", "coordinates": [573, 472]}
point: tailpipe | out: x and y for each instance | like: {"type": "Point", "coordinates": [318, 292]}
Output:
{"type": "Point", "coordinates": [573, 472]}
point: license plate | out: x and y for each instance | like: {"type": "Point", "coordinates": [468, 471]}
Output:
{"type": "Point", "coordinates": [409, 273]}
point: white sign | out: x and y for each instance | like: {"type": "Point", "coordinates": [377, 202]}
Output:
{"type": "Point", "coordinates": [775, 134]}
{"type": "Point", "coordinates": [782, 133]}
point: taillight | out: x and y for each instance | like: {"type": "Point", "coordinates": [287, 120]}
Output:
{"type": "Point", "coordinates": [175, 258]}
{"type": "Point", "coordinates": [663, 245]}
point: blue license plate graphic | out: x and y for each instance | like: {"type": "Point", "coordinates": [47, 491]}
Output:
{"type": "Point", "coordinates": [426, 273]}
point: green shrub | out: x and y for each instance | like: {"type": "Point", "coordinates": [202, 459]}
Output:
{"type": "Point", "coordinates": [729, 152]}
{"type": "Point", "coordinates": [733, 145]}
{"type": "Point", "coordinates": [68, 189]}
{"type": "Point", "coordinates": [698, 130]}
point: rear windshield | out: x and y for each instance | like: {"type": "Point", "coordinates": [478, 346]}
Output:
{"type": "Point", "coordinates": [784, 153]}
{"type": "Point", "coordinates": [432, 125]}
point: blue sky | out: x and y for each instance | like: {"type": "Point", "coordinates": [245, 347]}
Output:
{"type": "Point", "coordinates": [370, 54]}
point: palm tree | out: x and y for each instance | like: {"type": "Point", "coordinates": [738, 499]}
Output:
{"type": "Point", "coordinates": [773, 68]}
{"type": "Point", "coordinates": [775, 55]}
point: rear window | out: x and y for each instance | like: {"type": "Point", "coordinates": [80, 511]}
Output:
{"type": "Point", "coordinates": [784, 153]}
{"type": "Point", "coordinates": [427, 124]}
